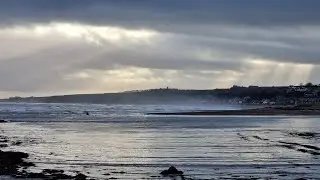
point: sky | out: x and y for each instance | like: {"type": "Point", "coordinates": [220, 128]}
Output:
{"type": "Point", "coordinates": [50, 47]}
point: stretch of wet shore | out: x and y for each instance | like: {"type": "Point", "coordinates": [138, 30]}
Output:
{"type": "Point", "coordinates": [144, 147]}
{"type": "Point", "coordinates": [15, 165]}
{"type": "Point", "coordinates": [267, 111]}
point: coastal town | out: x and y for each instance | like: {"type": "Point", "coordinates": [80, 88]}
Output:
{"type": "Point", "coordinates": [307, 94]}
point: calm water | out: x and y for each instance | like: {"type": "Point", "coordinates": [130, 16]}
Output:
{"type": "Point", "coordinates": [115, 138]}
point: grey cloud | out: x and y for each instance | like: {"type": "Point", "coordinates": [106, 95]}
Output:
{"type": "Point", "coordinates": [279, 31]}
{"type": "Point", "coordinates": [271, 45]}
{"type": "Point", "coordinates": [167, 60]}
{"type": "Point", "coordinates": [293, 54]}
{"type": "Point", "coordinates": [49, 66]}
{"type": "Point", "coordinates": [35, 71]}
{"type": "Point", "coordinates": [164, 13]}
{"type": "Point", "coordinates": [229, 25]}
{"type": "Point", "coordinates": [315, 74]}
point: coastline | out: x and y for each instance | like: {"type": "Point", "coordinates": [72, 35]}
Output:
{"type": "Point", "coordinates": [267, 111]}
{"type": "Point", "coordinates": [15, 164]}
{"type": "Point", "coordinates": [199, 158]}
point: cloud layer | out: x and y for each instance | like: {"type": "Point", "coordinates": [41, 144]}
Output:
{"type": "Point", "coordinates": [87, 46]}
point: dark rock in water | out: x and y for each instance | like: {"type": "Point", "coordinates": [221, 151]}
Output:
{"type": "Point", "coordinates": [49, 174]}
{"type": "Point", "coordinates": [297, 165]}
{"type": "Point", "coordinates": [16, 143]}
{"type": "Point", "coordinates": [116, 172]}
{"type": "Point", "coordinates": [309, 151]}
{"type": "Point", "coordinates": [10, 162]}
{"type": "Point", "coordinates": [12, 157]}
{"type": "Point", "coordinates": [310, 147]}
{"type": "Point", "coordinates": [80, 177]}
{"type": "Point", "coordinates": [34, 175]}
{"type": "Point", "coordinates": [3, 121]}
{"type": "Point", "coordinates": [303, 150]}
{"type": "Point", "coordinates": [4, 140]}
{"type": "Point", "coordinates": [153, 176]}
{"type": "Point", "coordinates": [171, 171]}
{"type": "Point", "coordinates": [13, 164]}
{"type": "Point", "coordinates": [314, 153]}
{"type": "Point", "coordinates": [43, 175]}
{"type": "Point", "coordinates": [260, 138]}
{"type": "Point", "coordinates": [52, 171]}
{"type": "Point", "coordinates": [3, 145]}
{"type": "Point", "coordinates": [307, 135]}
{"type": "Point", "coordinates": [282, 175]}
{"type": "Point", "coordinates": [61, 176]}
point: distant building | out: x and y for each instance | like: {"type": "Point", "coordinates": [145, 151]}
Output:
{"type": "Point", "coordinates": [296, 89]}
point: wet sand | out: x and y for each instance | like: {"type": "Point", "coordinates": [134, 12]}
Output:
{"type": "Point", "coordinates": [274, 111]}
{"type": "Point", "coordinates": [15, 164]}
{"type": "Point", "coordinates": [293, 144]}
{"type": "Point", "coordinates": [141, 147]}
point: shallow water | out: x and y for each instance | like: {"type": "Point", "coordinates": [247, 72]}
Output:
{"type": "Point", "coordinates": [124, 142]}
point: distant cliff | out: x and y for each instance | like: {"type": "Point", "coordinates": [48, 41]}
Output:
{"type": "Point", "coordinates": [234, 95]}
{"type": "Point", "coordinates": [133, 97]}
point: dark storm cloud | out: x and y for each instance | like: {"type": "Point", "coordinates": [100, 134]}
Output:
{"type": "Point", "coordinates": [163, 13]}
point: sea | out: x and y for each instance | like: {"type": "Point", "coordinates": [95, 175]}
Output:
{"type": "Point", "coordinates": [124, 142]}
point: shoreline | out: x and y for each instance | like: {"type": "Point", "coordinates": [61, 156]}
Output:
{"type": "Point", "coordinates": [15, 164]}
{"type": "Point", "coordinates": [20, 170]}
{"type": "Point", "coordinates": [267, 111]}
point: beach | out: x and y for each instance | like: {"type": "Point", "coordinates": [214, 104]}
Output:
{"type": "Point", "coordinates": [121, 141]}
{"type": "Point", "coordinates": [261, 111]}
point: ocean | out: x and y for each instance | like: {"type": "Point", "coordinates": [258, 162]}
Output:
{"type": "Point", "coordinates": [121, 141]}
